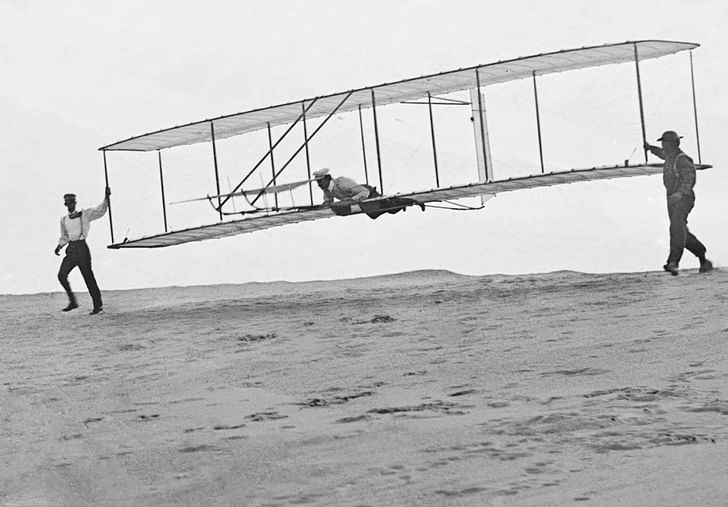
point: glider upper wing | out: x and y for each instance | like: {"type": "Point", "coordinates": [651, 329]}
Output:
{"type": "Point", "coordinates": [399, 91]}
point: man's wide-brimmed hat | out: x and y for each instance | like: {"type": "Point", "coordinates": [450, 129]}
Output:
{"type": "Point", "coordinates": [670, 136]}
{"type": "Point", "coordinates": [321, 173]}
{"type": "Point", "coordinates": [69, 196]}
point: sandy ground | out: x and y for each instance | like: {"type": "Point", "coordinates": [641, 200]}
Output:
{"type": "Point", "coordinates": [426, 388]}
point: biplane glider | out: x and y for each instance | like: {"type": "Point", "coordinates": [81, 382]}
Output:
{"type": "Point", "coordinates": [263, 206]}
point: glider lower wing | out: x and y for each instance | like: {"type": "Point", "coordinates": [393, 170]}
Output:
{"type": "Point", "coordinates": [275, 219]}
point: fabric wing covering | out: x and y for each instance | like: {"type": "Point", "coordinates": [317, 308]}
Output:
{"type": "Point", "coordinates": [258, 222]}
{"type": "Point", "coordinates": [409, 89]}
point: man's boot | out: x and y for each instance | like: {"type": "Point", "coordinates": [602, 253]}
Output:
{"type": "Point", "coordinates": [72, 305]}
{"type": "Point", "coordinates": [671, 267]}
{"type": "Point", "coordinates": [705, 266]}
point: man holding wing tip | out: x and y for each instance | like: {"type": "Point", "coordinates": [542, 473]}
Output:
{"type": "Point", "coordinates": [75, 228]}
{"type": "Point", "coordinates": [678, 176]}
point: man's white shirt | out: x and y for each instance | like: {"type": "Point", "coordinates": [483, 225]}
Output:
{"type": "Point", "coordinates": [344, 188]}
{"type": "Point", "coordinates": [74, 229]}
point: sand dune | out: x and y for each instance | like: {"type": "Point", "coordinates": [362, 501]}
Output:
{"type": "Point", "coordinates": [425, 388]}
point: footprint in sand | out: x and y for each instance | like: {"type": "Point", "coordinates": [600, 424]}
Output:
{"type": "Point", "coordinates": [265, 416]}
{"type": "Point", "coordinates": [131, 347]}
{"type": "Point", "coordinates": [463, 391]}
{"type": "Point", "coordinates": [720, 406]}
{"type": "Point", "coordinates": [252, 338]}
{"type": "Point", "coordinates": [461, 492]}
{"type": "Point", "coordinates": [497, 404]}
{"type": "Point", "coordinates": [436, 406]}
{"type": "Point", "coordinates": [579, 371]}
{"type": "Point", "coordinates": [200, 448]}
{"type": "Point", "coordinates": [75, 436]}
{"type": "Point", "coordinates": [353, 419]}
{"type": "Point", "coordinates": [334, 400]}
{"type": "Point", "coordinates": [228, 426]}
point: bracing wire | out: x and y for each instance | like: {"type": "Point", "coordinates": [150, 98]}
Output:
{"type": "Point", "coordinates": [456, 206]}
{"type": "Point", "coordinates": [626, 160]}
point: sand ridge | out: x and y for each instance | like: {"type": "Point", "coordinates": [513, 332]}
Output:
{"type": "Point", "coordinates": [425, 388]}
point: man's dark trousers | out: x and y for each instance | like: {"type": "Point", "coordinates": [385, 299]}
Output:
{"type": "Point", "coordinates": [680, 237]}
{"type": "Point", "coordinates": [78, 254]}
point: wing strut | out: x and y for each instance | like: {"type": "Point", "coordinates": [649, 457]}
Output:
{"type": "Point", "coordinates": [161, 185]}
{"type": "Point", "coordinates": [376, 139]}
{"type": "Point", "coordinates": [434, 146]}
{"type": "Point", "coordinates": [639, 95]}
{"type": "Point", "coordinates": [695, 106]}
{"type": "Point", "coordinates": [538, 121]}
{"type": "Point", "coordinates": [308, 158]}
{"type": "Point", "coordinates": [272, 163]}
{"type": "Point", "coordinates": [363, 147]}
{"type": "Point", "coordinates": [106, 177]}
{"type": "Point", "coordinates": [214, 160]}
{"type": "Point", "coordinates": [484, 143]}
{"type": "Point", "coordinates": [305, 144]}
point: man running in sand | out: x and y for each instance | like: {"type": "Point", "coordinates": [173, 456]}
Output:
{"type": "Point", "coordinates": [678, 176]}
{"type": "Point", "coordinates": [74, 231]}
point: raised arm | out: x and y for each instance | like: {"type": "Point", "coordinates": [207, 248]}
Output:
{"type": "Point", "coordinates": [100, 210]}
{"type": "Point", "coordinates": [655, 150]}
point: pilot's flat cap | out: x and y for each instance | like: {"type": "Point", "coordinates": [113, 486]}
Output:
{"type": "Point", "coordinates": [321, 173]}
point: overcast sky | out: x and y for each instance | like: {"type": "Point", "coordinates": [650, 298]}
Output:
{"type": "Point", "coordinates": [77, 75]}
